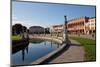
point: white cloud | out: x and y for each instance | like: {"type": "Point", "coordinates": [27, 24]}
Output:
{"type": "Point", "coordinates": [15, 21]}
{"type": "Point", "coordinates": [28, 23]}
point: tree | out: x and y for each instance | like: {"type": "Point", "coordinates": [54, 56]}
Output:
{"type": "Point", "coordinates": [24, 29]}
{"type": "Point", "coordinates": [18, 29]}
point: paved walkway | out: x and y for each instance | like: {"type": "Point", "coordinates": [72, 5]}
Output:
{"type": "Point", "coordinates": [74, 53]}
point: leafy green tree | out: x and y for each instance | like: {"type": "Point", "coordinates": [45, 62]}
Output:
{"type": "Point", "coordinates": [18, 29]}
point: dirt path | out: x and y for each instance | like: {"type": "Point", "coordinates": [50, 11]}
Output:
{"type": "Point", "coordinates": [74, 53]}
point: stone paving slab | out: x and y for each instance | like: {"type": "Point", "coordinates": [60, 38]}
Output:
{"type": "Point", "coordinates": [75, 53]}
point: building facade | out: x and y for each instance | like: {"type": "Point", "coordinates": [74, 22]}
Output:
{"type": "Point", "coordinates": [56, 28]}
{"type": "Point", "coordinates": [36, 30]}
{"type": "Point", "coordinates": [82, 25]}
{"type": "Point", "coordinates": [77, 25]}
{"type": "Point", "coordinates": [91, 26]}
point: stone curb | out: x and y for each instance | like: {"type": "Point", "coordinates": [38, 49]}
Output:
{"type": "Point", "coordinates": [46, 57]}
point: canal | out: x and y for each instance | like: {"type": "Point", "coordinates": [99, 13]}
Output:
{"type": "Point", "coordinates": [35, 49]}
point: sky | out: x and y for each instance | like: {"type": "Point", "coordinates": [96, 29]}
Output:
{"type": "Point", "coordinates": [47, 14]}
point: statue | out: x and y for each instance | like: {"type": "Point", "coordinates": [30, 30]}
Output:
{"type": "Point", "coordinates": [65, 30]}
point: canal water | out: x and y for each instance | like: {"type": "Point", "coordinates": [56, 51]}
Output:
{"type": "Point", "coordinates": [27, 53]}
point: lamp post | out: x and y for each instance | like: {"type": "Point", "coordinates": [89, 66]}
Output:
{"type": "Point", "coordinates": [65, 30]}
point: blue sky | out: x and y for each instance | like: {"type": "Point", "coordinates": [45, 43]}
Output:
{"type": "Point", "coordinates": [43, 14]}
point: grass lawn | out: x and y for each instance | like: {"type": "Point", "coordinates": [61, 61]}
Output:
{"type": "Point", "coordinates": [90, 47]}
{"type": "Point", "coordinates": [16, 37]}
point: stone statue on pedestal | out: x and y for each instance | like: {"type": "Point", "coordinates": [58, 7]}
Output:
{"type": "Point", "coordinates": [65, 37]}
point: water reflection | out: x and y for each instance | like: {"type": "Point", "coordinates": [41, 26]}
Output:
{"type": "Point", "coordinates": [36, 41]}
{"type": "Point", "coordinates": [58, 45]}
{"type": "Point", "coordinates": [23, 54]}
{"type": "Point", "coordinates": [29, 52]}
{"type": "Point", "coordinates": [27, 49]}
{"type": "Point", "coordinates": [45, 43]}
{"type": "Point", "coordinates": [18, 47]}
{"type": "Point", "coordinates": [51, 44]}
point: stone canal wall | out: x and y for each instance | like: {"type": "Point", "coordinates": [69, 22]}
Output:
{"type": "Point", "coordinates": [51, 38]}
{"type": "Point", "coordinates": [49, 56]}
